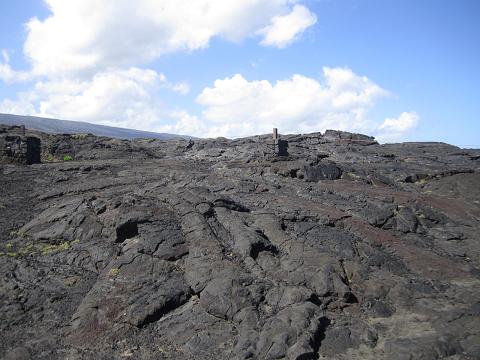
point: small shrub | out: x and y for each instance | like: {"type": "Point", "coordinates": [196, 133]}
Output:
{"type": "Point", "coordinates": [49, 158]}
{"type": "Point", "coordinates": [113, 272]}
{"type": "Point", "coordinates": [67, 158]}
{"type": "Point", "coordinates": [79, 136]}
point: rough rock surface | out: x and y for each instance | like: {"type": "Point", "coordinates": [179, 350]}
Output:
{"type": "Point", "coordinates": [18, 149]}
{"type": "Point", "coordinates": [217, 249]}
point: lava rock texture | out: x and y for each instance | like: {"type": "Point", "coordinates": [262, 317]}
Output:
{"type": "Point", "coordinates": [218, 249]}
{"type": "Point", "coordinates": [18, 149]}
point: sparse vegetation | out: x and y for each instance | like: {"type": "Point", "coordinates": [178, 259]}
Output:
{"type": "Point", "coordinates": [113, 272]}
{"type": "Point", "coordinates": [32, 248]}
{"type": "Point", "coordinates": [79, 136]}
{"type": "Point", "coordinates": [51, 249]}
{"type": "Point", "coordinates": [49, 158]}
{"type": "Point", "coordinates": [27, 250]}
{"type": "Point", "coordinates": [67, 158]}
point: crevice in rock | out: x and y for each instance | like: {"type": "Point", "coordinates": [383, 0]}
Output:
{"type": "Point", "coordinates": [258, 247]}
{"type": "Point", "coordinates": [350, 298]}
{"type": "Point", "coordinates": [221, 234]}
{"type": "Point", "coordinates": [319, 335]}
{"type": "Point", "coordinates": [127, 230]}
{"type": "Point", "coordinates": [177, 257]}
{"type": "Point", "coordinates": [230, 204]}
{"type": "Point", "coordinates": [169, 306]}
{"type": "Point", "coordinates": [314, 299]}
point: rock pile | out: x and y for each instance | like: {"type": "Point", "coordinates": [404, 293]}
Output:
{"type": "Point", "coordinates": [19, 149]}
{"type": "Point", "coordinates": [219, 249]}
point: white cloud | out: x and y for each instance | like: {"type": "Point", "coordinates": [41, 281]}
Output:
{"type": "Point", "coordinates": [406, 121]}
{"type": "Point", "coordinates": [393, 129]}
{"type": "Point", "coordinates": [184, 124]}
{"type": "Point", "coordinates": [232, 107]}
{"type": "Point", "coordinates": [123, 98]}
{"type": "Point", "coordinates": [237, 107]}
{"type": "Point", "coordinates": [86, 36]}
{"type": "Point", "coordinates": [283, 30]}
{"type": "Point", "coordinates": [23, 105]}
{"type": "Point", "coordinates": [5, 56]}
{"type": "Point", "coordinates": [181, 87]}
{"type": "Point", "coordinates": [7, 74]}
{"type": "Point", "coordinates": [85, 59]}
{"type": "Point", "coordinates": [84, 55]}
{"type": "Point", "coordinates": [120, 98]}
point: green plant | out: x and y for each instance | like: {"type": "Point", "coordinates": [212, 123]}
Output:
{"type": "Point", "coordinates": [27, 250]}
{"type": "Point", "coordinates": [51, 249]}
{"type": "Point", "coordinates": [113, 272]}
{"type": "Point", "coordinates": [79, 136]}
{"type": "Point", "coordinates": [67, 158]}
{"type": "Point", "coordinates": [49, 158]}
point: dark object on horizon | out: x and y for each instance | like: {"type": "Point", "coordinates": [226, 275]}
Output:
{"type": "Point", "coordinates": [280, 146]}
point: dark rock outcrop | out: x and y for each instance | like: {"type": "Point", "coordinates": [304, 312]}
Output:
{"type": "Point", "coordinates": [219, 249]}
{"type": "Point", "coordinates": [17, 149]}
{"type": "Point", "coordinates": [319, 172]}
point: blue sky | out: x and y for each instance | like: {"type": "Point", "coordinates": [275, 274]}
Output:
{"type": "Point", "coordinates": [399, 70]}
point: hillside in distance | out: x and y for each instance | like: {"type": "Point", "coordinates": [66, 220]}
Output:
{"type": "Point", "coordinates": [55, 126]}
{"type": "Point", "coordinates": [221, 249]}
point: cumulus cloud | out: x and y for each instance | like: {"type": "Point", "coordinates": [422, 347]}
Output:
{"type": "Point", "coordinates": [183, 123]}
{"type": "Point", "coordinates": [181, 87]}
{"type": "Point", "coordinates": [237, 107]}
{"type": "Point", "coordinates": [8, 75]}
{"type": "Point", "coordinates": [85, 59]}
{"type": "Point", "coordinates": [283, 30]}
{"type": "Point", "coordinates": [126, 98]}
{"type": "Point", "coordinates": [405, 121]}
{"type": "Point", "coordinates": [23, 105]}
{"type": "Point", "coordinates": [393, 129]}
{"type": "Point", "coordinates": [85, 36]}
{"type": "Point", "coordinates": [120, 96]}
{"type": "Point", "coordinates": [232, 107]}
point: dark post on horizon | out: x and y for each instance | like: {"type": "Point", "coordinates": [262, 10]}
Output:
{"type": "Point", "coordinates": [280, 146]}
